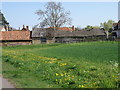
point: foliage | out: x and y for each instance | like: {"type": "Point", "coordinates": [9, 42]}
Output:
{"type": "Point", "coordinates": [91, 27]}
{"type": "Point", "coordinates": [78, 28]}
{"type": "Point", "coordinates": [96, 27]}
{"type": "Point", "coordinates": [88, 27]}
{"type": "Point", "coordinates": [107, 25]}
{"type": "Point", "coordinates": [78, 65]}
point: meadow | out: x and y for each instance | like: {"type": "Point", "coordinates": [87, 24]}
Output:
{"type": "Point", "coordinates": [76, 65]}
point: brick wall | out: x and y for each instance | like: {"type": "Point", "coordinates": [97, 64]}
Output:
{"type": "Point", "coordinates": [50, 41]}
{"type": "Point", "coordinates": [15, 43]}
{"type": "Point", "coordinates": [36, 41]}
{"type": "Point", "coordinates": [79, 39]}
{"type": "Point", "coordinates": [15, 35]}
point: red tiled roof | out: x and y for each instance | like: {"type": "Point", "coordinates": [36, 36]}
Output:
{"type": "Point", "coordinates": [63, 28]}
{"type": "Point", "coordinates": [15, 35]}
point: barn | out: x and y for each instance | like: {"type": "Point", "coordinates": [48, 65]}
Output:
{"type": "Point", "coordinates": [11, 38]}
{"type": "Point", "coordinates": [116, 30]}
{"type": "Point", "coordinates": [47, 35]}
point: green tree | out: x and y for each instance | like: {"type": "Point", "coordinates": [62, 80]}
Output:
{"type": "Point", "coordinates": [107, 26]}
{"type": "Point", "coordinates": [96, 27]}
{"type": "Point", "coordinates": [88, 27]}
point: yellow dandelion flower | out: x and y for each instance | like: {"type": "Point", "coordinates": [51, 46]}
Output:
{"type": "Point", "coordinates": [82, 86]}
{"type": "Point", "coordinates": [61, 75]}
{"type": "Point", "coordinates": [50, 62]}
{"type": "Point", "coordinates": [69, 75]}
{"type": "Point", "coordinates": [65, 64]}
{"type": "Point", "coordinates": [65, 73]}
{"type": "Point", "coordinates": [72, 76]}
{"type": "Point", "coordinates": [56, 74]}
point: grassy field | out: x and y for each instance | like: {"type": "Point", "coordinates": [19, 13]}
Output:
{"type": "Point", "coordinates": [79, 65]}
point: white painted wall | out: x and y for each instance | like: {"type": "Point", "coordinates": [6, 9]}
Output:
{"type": "Point", "coordinates": [2, 29]}
{"type": "Point", "coordinates": [118, 33]}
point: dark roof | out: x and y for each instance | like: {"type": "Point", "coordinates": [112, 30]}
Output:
{"type": "Point", "coordinates": [42, 32]}
{"type": "Point", "coordinates": [63, 28]}
{"type": "Point", "coordinates": [115, 24]}
{"type": "Point", "coordinates": [119, 24]}
{"type": "Point", "coordinates": [39, 32]}
{"type": "Point", "coordinates": [81, 33]}
{"type": "Point", "coordinates": [2, 18]}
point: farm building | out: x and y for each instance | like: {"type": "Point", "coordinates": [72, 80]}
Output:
{"type": "Point", "coordinates": [116, 29]}
{"type": "Point", "coordinates": [4, 25]}
{"type": "Point", "coordinates": [65, 28]}
{"type": "Point", "coordinates": [42, 35]}
{"type": "Point", "coordinates": [11, 38]}
{"type": "Point", "coordinates": [78, 36]}
{"type": "Point", "coordinates": [47, 35]}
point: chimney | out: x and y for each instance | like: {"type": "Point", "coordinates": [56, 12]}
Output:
{"type": "Point", "coordinates": [27, 27]}
{"type": "Point", "coordinates": [19, 28]}
{"type": "Point", "coordinates": [73, 28]}
{"type": "Point", "coordinates": [23, 26]}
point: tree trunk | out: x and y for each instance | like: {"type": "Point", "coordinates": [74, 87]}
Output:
{"type": "Point", "coordinates": [107, 34]}
{"type": "Point", "coordinates": [53, 34]}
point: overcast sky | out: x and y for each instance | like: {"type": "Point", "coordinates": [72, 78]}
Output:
{"type": "Point", "coordinates": [82, 13]}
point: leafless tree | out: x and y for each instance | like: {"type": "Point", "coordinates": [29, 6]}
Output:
{"type": "Point", "coordinates": [54, 15]}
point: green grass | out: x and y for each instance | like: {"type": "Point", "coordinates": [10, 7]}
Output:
{"type": "Point", "coordinates": [78, 65]}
